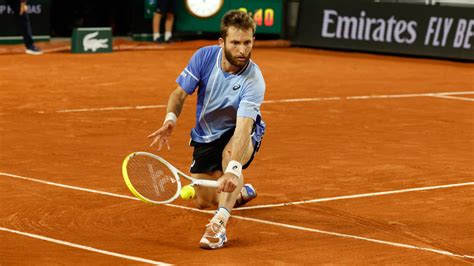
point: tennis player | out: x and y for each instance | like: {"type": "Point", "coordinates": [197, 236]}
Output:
{"type": "Point", "coordinates": [229, 128]}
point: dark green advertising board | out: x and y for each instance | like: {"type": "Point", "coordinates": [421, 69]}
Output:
{"type": "Point", "coordinates": [268, 14]}
{"type": "Point", "coordinates": [91, 40]}
{"type": "Point", "coordinates": [150, 6]}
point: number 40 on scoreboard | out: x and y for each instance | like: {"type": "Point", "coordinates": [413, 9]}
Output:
{"type": "Point", "coordinates": [262, 17]}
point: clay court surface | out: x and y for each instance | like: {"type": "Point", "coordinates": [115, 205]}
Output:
{"type": "Point", "coordinates": [367, 159]}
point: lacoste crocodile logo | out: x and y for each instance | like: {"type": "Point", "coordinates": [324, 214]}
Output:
{"type": "Point", "coordinates": [90, 43]}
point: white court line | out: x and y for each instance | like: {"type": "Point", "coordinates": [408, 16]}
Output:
{"type": "Point", "coordinates": [259, 221]}
{"type": "Point", "coordinates": [296, 100]}
{"type": "Point", "coordinates": [389, 96]}
{"type": "Point", "coordinates": [442, 252]}
{"type": "Point", "coordinates": [355, 196]}
{"type": "Point", "coordinates": [454, 98]}
{"type": "Point", "coordinates": [140, 107]}
{"type": "Point", "coordinates": [95, 191]}
{"type": "Point", "coordinates": [366, 97]}
{"type": "Point", "coordinates": [66, 243]}
{"type": "Point", "coordinates": [456, 93]}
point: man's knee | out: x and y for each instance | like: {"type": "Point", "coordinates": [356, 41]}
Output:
{"type": "Point", "coordinates": [205, 197]}
{"type": "Point", "coordinates": [200, 204]}
{"type": "Point", "coordinates": [204, 203]}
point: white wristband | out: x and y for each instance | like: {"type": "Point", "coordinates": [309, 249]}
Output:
{"type": "Point", "coordinates": [235, 168]}
{"type": "Point", "coordinates": [171, 117]}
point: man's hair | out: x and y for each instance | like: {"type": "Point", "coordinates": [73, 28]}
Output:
{"type": "Point", "coordinates": [237, 19]}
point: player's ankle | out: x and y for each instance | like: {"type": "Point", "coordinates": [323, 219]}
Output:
{"type": "Point", "coordinates": [221, 217]}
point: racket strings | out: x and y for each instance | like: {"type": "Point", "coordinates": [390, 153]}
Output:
{"type": "Point", "coordinates": [152, 179]}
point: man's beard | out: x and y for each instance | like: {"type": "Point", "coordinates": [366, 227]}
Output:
{"type": "Point", "coordinates": [233, 60]}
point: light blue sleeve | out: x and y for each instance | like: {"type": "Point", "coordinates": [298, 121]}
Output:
{"type": "Point", "coordinates": [252, 97]}
{"type": "Point", "coordinates": [191, 75]}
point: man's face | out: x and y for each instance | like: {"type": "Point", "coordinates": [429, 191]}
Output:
{"type": "Point", "coordinates": [238, 46]}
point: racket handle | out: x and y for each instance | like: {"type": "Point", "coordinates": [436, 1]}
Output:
{"type": "Point", "coordinates": [206, 183]}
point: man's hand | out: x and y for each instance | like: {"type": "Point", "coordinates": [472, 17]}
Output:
{"type": "Point", "coordinates": [161, 135]}
{"type": "Point", "coordinates": [227, 183]}
{"type": "Point", "coordinates": [23, 8]}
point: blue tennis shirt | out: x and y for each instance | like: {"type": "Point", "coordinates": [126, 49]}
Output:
{"type": "Point", "coordinates": [222, 97]}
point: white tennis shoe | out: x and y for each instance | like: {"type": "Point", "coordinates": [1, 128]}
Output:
{"type": "Point", "coordinates": [215, 236]}
{"type": "Point", "coordinates": [33, 50]}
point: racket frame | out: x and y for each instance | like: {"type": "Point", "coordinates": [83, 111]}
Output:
{"type": "Point", "coordinates": [176, 173]}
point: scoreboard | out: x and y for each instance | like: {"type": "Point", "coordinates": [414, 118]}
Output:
{"type": "Point", "coordinates": [268, 15]}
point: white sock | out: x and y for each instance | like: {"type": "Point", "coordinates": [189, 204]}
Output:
{"type": "Point", "coordinates": [167, 35]}
{"type": "Point", "coordinates": [222, 216]}
{"type": "Point", "coordinates": [156, 35]}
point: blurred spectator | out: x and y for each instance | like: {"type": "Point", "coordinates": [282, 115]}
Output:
{"type": "Point", "coordinates": [20, 8]}
{"type": "Point", "coordinates": [165, 8]}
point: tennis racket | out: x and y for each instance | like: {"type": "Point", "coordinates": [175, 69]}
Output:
{"type": "Point", "coordinates": [154, 180]}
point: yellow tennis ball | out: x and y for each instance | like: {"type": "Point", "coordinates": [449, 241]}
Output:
{"type": "Point", "coordinates": [187, 192]}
